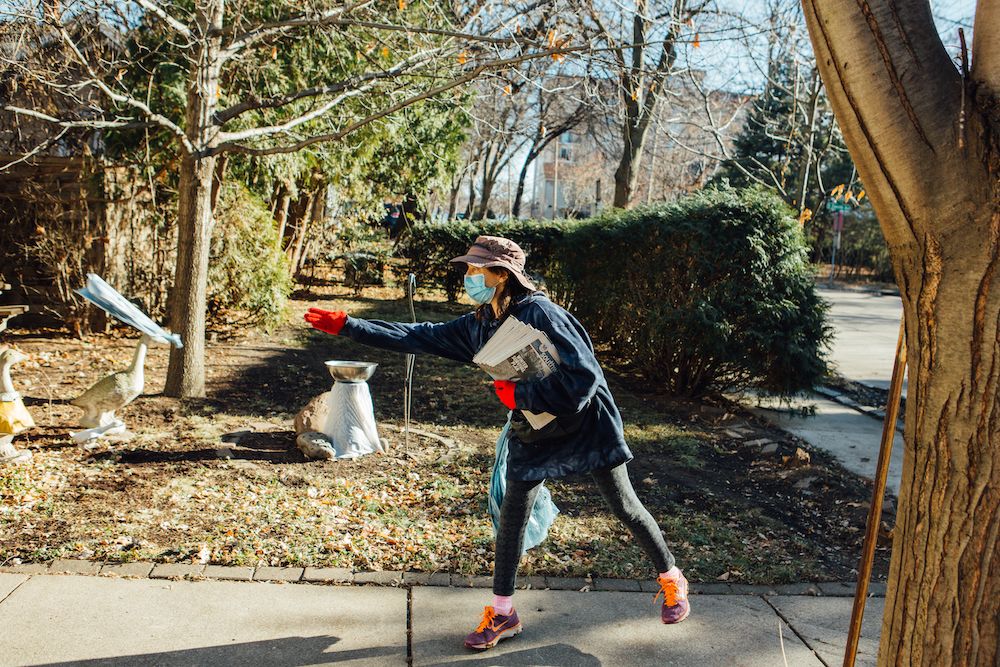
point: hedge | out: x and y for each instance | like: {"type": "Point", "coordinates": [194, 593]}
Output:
{"type": "Point", "coordinates": [711, 292]}
{"type": "Point", "coordinates": [708, 293]}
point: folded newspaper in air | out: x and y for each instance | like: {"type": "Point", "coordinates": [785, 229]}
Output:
{"type": "Point", "coordinates": [518, 351]}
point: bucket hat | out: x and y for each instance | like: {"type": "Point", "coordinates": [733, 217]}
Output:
{"type": "Point", "coordinates": [496, 251]}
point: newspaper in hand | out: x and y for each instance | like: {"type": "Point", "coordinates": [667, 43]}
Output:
{"type": "Point", "coordinates": [516, 352]}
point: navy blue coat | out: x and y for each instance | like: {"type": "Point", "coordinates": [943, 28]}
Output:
{"type": "Point", "coordinates": [577, 391]}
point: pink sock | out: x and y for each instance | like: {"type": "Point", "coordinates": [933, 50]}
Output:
{"type": "Point", "coordinates": [503, 604]}
{"type": "Point", "coordinates": [673, 573]}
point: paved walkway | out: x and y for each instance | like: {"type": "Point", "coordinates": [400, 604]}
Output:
{"type": "Point", "coordinates": [48, 619]}
{"type": "Point", "coordinates": [866, 328]}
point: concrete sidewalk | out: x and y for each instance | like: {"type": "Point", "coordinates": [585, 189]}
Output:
{"type": "Point", "coordinates": [96, 620]}
{"type": "Point", "coordinates": [866, 327]}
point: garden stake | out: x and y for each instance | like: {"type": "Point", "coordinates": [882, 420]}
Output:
{"type": "Point", "coordinates": [875, 509]}
{"type": "Point", "coordinates": [411, 286]}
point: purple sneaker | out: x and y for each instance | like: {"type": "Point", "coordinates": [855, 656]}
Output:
{"type": "Point", "coordinates": [492, 629]}
{"type": "Point", "coordinates": [675, 599]}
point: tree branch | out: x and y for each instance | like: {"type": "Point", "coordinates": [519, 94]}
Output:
{"type": "Point", "coordinates": [389, 27]}
{"type": "Point", "coordinates": [37, 149]}
{"type": "Point", "coordinates": [268, 30]}
{"type": "Point", "coordinates": [127, 100]}
{"type": "Point", "coordinates": [69, 124]}
{"type": "Point", "coordinates": [155, 9]}
{"type": "Point", "coordinates": [334, 136]}
{"type": "Point", "coordinates": [254, 104]}
{"type": "Point", "coordinates": [257, 132]}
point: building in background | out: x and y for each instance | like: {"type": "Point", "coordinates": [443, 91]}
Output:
{"type": "Point", "coordinates": [689, 137]}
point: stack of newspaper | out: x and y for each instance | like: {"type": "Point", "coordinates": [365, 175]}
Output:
{"type": "Point", "coordinates": [516, 352]}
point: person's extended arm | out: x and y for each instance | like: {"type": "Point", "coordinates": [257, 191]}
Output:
{"type": "Point", "coordinates": [451, 340]}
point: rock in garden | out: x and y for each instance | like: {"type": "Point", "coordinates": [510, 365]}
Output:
{"type": "Point", "coordinates": [316, 445]}
{"type": "Point", "coordinates": [769, 448]}
{"type": "Point", "coordinates": [313, 416]}
{"type": "Point", "coordinates": [804, 483]}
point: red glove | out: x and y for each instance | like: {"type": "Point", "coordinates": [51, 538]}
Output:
{"type": "Point", "coordinates": [330, 321]}
{"type": "Point", "coordinates": [505, 392]}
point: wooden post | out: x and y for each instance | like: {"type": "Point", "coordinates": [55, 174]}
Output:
{"type": "Point", "coordinates": [878, 492]}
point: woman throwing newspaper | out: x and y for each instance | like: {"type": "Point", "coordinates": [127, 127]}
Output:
{"type": "Point", "coordinates": [585, 436]}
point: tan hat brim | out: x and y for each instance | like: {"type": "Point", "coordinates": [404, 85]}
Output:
{"type": "Point", "coordinates": [484, 263]}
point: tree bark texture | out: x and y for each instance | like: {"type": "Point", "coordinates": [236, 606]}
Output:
{"type": "Point", "coordinates": [186, 371]}
{"type": "Point", "coordinates": [926, 141]}
{"type": "Point", "coordinates": [521, 177]}
{"type": "Point", "coordinates": [628, 166]}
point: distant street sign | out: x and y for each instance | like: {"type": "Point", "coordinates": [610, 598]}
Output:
{"type": "Point", "coordinates": [839, 207]}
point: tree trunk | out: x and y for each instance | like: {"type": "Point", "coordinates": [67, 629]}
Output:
{"type": "Point", "coordinates": [186, 370]}
{"type": "Point", "coordinates": [299, 233]}
{"type": "Point", "coordinates": [482, 209]}
{"type": "Point", "coordinates": [521, 177]}
{"type": "Point", "coordinates": [926, 143]}
{"type": "Point", "coordinates": [807, 156]}
{"type": "Point", "coordinates": [453, 201]}
{"type": "Point", "coordinates": [284, 201]}
{"type": "Point", "coordinates": [312, 215]}
{"type": "Point", "coordinates": [628, 166]}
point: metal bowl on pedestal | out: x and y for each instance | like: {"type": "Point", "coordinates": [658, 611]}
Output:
{"type": "Point", "coordinates": [351, 371]}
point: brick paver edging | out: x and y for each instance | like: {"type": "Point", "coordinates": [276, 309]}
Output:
{"type": "Point", "coordinates": [342, 576]}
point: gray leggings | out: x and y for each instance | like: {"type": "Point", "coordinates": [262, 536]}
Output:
{"type": "Point", "coordinates": [618, 493]}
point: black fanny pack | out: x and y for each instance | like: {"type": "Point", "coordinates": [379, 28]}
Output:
{"type": "Point", "coordinates": [560, 427]}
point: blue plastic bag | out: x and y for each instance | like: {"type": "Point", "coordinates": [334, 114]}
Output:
{"type": "Point", "coordinates": [543, 512]}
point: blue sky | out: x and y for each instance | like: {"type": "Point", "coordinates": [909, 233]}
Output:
{"type": "Point", "coordinates": [729, 65]}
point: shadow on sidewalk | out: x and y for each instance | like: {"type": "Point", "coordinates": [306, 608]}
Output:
{"type": "Point", "coordinates": [284, 652]}
{"type": "Point", "coordinates": [556, 655]}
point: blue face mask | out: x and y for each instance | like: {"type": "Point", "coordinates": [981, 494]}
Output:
{"type": "Point", "coordinates": [475, 287]}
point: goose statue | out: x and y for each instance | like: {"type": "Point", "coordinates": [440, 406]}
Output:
{"type": "Point", "coordinates": [14, 417]}
{"type": "Point", "coordinates": [110, 394]}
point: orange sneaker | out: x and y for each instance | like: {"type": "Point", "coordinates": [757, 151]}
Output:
{"type": "Point", "coordinates": [675, 599]}
{"type": "Point", "coordinates": [492, 629]}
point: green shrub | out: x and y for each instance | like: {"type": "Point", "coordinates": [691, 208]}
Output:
{"type": "Point", "coordinates": [708, 293]}
{"type": "Point", "coordinates": [248, 273]}
{"type": "Point", "coordinates": [429, 246]}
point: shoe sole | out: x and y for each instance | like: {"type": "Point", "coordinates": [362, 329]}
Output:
{"type": "Point", "coordinates": [686, 614]}
{"type": "Point", "coordinates": [509, 632]}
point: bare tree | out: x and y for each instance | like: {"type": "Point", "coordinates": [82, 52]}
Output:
{"type": "Point", "coordinates": [514, 119]}
{"type": "Point", "coordinates": [499, 113]}
{"type": "Point", "coordinates": [643, 38]}
{"type": "Point", "coordinates": [925, 136]}
{"type": "Point", "coordinates": [782, 134]}
{"type": "Point", "coordinates": [442, 48]}
{"type": "Point", "coordinates": [561, 105]}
